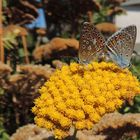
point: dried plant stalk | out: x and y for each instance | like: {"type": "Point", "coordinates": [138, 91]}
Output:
{"type": "Point", "coordinates": [117, 126]}
{"type": "Point", "coordinates": [31, 132]}
{"type": "Point", "coordinates": [106, 27]}
{"type": "Point", "coordinates": [20, 91]}
{"type": "Point", "coordinates": [57, 47]}
{"type": "Point", "coordinates": [1, 43]}
{"type": "Point", "coordinates": [25, 49]}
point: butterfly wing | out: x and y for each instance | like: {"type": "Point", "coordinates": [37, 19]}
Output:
{"type": "Point", "coordinates": [121, 45]}
{"type": "Point", "coordinates": [132, 31]}
{"type": "Point", "coordinates": [91, 43]}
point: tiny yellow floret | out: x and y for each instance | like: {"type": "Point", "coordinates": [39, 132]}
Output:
{"type": "Point", "coordinates": [79, 95]}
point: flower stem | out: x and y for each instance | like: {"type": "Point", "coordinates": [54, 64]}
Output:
{"type": "Point", "coordinates": [74, 134]}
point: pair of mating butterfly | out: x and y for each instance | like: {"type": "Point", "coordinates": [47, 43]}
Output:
{"type": "Point", "coordinates": [119, 47]}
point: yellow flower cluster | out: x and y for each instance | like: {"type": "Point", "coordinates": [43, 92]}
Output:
{"type": "Point", "coordinates": [80, 95]}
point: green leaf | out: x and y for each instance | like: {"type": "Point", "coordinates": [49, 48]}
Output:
{"type": "Point", "coordinates": [9, 40]}
{"type": "Point", "coordinates": [21, 52]}
{"type": "Point", "coordinates": [1, 91]}
{"type": "Point", "coordinates": [5, 136]}
{"type": "Point", "coordinates": [127, 109]}
{"type": "Point", "coordinates": [137, 99]}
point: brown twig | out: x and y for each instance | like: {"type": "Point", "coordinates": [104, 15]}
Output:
{"type": "Point", "coordinates": [1, 43]}
{"type": "Point", "coordinates": [25, 49]}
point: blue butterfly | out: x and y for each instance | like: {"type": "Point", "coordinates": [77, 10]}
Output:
{"type": "Point", "coordinates": [119, 47]}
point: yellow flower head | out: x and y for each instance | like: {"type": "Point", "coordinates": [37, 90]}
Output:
{"type": "Point", "coordinates": [80, 95]}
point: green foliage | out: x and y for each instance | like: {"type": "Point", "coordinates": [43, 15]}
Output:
{"type": "Point", "coordinates": [4, 3]}
{"type": "Point", "coordinates": [101, 16]}
{"type": "Point", "coordinates": [135, 67]}
{"type": "Point", "coordinates": [133, 107]}
{"type": "Point", "coordinates": [69, 59]}
{"type": "Point", "coordinates": [136, 71]}
{"type": "Point", "coordinates": [1, 91]}
{"type": "Point", "coordinates": [3, 134]}
{"type": "Point", "coordinates": [9, 40]}
{"type": "Point", "coordinates": [66, 16]}
{"type": "Point", "coordinates": [135, 138]}
{"type": "Point", "coordinates": [64, 23]}
{"type": "Point", "coordinates": [4, 6]}
{"type": "Point", "coordinates": [105, 14]}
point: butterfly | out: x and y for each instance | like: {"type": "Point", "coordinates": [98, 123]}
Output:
{"type": "Point", "coordinates": [119, 47]}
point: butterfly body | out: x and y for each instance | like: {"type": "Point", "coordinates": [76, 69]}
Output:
{"type": "Point", "coordinates": [119, 47]}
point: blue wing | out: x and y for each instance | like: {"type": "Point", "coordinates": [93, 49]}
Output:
{"type": "Point", "coordinates": [120, 46]}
